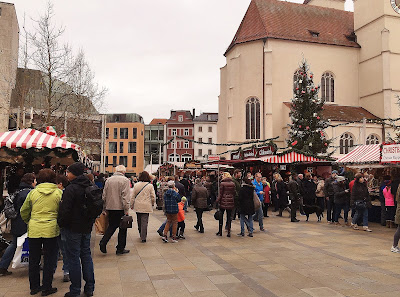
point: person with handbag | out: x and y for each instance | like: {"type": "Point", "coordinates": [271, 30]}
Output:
{"type": "Point", "coordinates": [116, 196]}
{"type": "Point", "coordinates": [246, 206]}
{"type": "Point", "coordinates": [142, 202]}
{"type": "Point", "coordinates": [226, 202]}
{"type": "Point", "coordinates": [76, 228]}
{"type": "Point", "coordinates": [40, 211]}
{"type": "Point", "coordinates": [361, 201]}
{"type": "Point", "coordinates": [199, 200]}
{"type": "Point", "coordinates": [18, 226]}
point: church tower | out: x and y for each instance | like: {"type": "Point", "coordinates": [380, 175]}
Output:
{"type": "Point", "coordinates": [377, 27]}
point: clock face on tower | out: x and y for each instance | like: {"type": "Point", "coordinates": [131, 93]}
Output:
{"type": "Point", "coordinates": [396, 5]}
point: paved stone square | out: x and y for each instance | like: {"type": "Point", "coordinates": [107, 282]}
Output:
{"type": "Point", "coordinates": [290, 259]}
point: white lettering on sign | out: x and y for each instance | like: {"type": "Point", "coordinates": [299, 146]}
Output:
{"type": "Point", "coordinates": [391, 153]}
{"type": "Point", "coordinates": [248, 154]}
{"type": "Point", "coordinates": [236, 156]}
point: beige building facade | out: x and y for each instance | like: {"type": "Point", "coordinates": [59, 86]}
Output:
{"type": "Point", "coordinates": [355, 57]}
{"type": "Point", "coordinates": [9, 38]}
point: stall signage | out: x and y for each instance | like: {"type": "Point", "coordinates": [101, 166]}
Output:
{"type": "Point", "coordinates": [213, 158]}
{"type": "Point", "coordinates": [390, 153]}
{"type": "Point", "coordinates": [236, 155]}
{"type": "Point", "coordinates": [265, 151]}
{"type": "Point", "coordinates": [251, 153]}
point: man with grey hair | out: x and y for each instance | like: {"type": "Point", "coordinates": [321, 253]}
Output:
{"type": "Point", "coordinates": [116, 196]}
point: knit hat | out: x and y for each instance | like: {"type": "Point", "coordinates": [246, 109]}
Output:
{"type": "Point", "coordinates": [335, 172]}
{"type": "Point", "coordinates": [183, 199]}
{"type": "Point", "coordinates": [171, 184]}
{"type": "Point", "coordinates": [77, 168]}
{"type": "Point", "coordinates": [340, 178]}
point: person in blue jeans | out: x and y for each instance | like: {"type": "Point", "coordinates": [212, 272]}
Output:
{"type": "Point", "coordinates": [77, 229]}
{"type": "Point", "coordinates": [360, 201]}
{"type": "Point", "coordinates": [246, 207]}
{"type": "Point", "coordinates": [259, 188]}
{"type": "Point", "coordinates": [18, 226]}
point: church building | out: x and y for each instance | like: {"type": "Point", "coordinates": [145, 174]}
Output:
{"type": "Point", "coordinates": [354, 57]}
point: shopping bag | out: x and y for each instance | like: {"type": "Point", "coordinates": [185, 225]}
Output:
{"type": "Point", "coordinates": [21, 256]}
{"type": "Point", "coordinates": [257, 202]}
{"type": "Point", "coordinates": [126, 222]}
{"type": "Point", "coordinates": [5, 224]}
{"type": "Point", "coordinates": [101, 223]}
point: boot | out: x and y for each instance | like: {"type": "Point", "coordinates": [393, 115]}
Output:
{"type": "Point", "coordinates": [388, 223]}
{"type": "Point", "coordinates": [280, 213]}
{"type": "Point", "coordinates": [229, 232]}
{"type": "Point", "coordinates": [219, 233]}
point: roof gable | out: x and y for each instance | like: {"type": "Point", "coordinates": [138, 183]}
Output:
{"type": "Point", "coordinates": [293, 21]}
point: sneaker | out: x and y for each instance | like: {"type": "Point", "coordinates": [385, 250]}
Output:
{"type": "Point", "coordinates": [367, 229]}
{"type": "Point", "coordinates": [49, 291]}
{"type": "Point", "coordinates": [4, 272]}
{"type": "Point", "coordinates": [337, 224]}
{"type": "Point", "coordinates": [164, 238]}
{"type": "Point", "coordinates": [122, 252]}
{"type": "Point", "coordinates": [240, 234]}
{"type": "Point", "coordinates": [160, 233]}
{"type": "Point", "coordinates": [263, 230]}
{"type": "Point", "coordinates": [173, 240]}
{"type": "Point", "coordinates": [181, 236]}
{"type": "Point", "coordinates": [354, 226]}
{"type": "Point", "coordinates": [250, 235]}
{"type": "Point", "coordinates": [395, 249]}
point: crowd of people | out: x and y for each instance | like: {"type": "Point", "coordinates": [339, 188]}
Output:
{"type": "Point", "coordinates": [52, 209]}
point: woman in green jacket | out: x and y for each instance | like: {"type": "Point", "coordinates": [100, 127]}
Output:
{"type": "Point", "coordinates": [40, 211]}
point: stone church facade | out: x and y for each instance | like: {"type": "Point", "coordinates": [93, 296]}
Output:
{"type": "Point", "coordinates": [354, 56]}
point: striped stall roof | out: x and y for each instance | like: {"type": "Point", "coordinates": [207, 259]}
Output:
{"type": "Point", "coordinates": [291, 157]}
{"type": "Point", "coordinates": [362, 154]}
{"type": "Point", "coordinates": [30, 138]}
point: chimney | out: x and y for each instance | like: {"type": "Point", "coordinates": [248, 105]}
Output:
{"type": "Point", "coordinates": [194, 113]}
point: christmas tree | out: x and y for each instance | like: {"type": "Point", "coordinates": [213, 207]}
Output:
{"type": "Point", "coordinates": [306, 132]}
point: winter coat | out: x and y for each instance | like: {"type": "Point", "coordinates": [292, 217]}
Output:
{"type": "Point", "coordinates": [199, 196]}
{"type": "Point", "coordinates": [187, 185]}
{"type": "Point", "coordinates": [309, 192]}
{"type": "Point", "coordinates": [237, 190]}
{"type": "Point", "coordinates": [397, 216]}
{"type": "Point", "coordinates": [144, 202]}
{"type": "Point", "coordinates": [267, 189]}
{"type": "Point", "coordinates": [18, 226]}
{"type": "Point", "coordinates": [340, 196]}
{"type": "Point", "coordinates": [227, 191]}
{"type": "Point", "coordinates": [181, 212]}
{"type": "Point", "coordinates": [360, 193]}
{"type": "Point", "coordinates": [40, 211]}
{"type": "Point", "coordinates": [70, 215]}
{"type": "Point", "coordinates": [117, 193]}
{"type": "Point", "coordinates": [171, 200]}
{"type": "Point", "coordinates": [281, 194]}
{"type": "Point", "coordinates": [328, 188]}
{"type": "Point", "coordinates": [320, 189]}
{"type": "Point", "coordinates": [181, 188]}
{"type": "Point", "coordinates": [389, 199]}
{"type": "Point", "coordinates": [294, 190]}
{"type": "Point", "coordinates": [259, 188]}
{"type": "Point", "coordinates": [246, 202]}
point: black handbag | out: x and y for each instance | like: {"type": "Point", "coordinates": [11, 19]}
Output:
{"type": "Point", "coordinates": [126, 222]}
{"type": "Point", "coordinates": [218, 215]}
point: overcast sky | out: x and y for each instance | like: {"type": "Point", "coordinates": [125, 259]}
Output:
{"type": "Point", "coordinates": [153, 56]}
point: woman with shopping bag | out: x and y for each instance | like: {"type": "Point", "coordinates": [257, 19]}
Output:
{"type": "Point", "coordinates": [40, 211]}
{"type": "Point", "coordinates": [18, 226]}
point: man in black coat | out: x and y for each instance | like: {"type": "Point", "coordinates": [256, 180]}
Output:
{"type": "Point", "coordinates": [294, 195]}
{"type": "Point", "coordinates": [309, 188]}
{"type": "Point", "coordinates": [77, 228]}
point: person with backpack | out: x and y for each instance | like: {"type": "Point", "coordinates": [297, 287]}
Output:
{"type": "Point", "coordinates": [18, 226]}
{"type": "Point", "coordinates": [76, 223]}
{"type": "Point", "coordinates": [116, 196]}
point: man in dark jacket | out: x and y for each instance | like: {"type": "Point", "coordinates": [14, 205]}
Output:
{"type": "Point", "coordinates": [341, 199]}
{"type": "Point", "coordinates": [180, 187]}
{"type": "Point", "coordinates": [309, 188]}
{"type": "Point", "coordinates": [294, 195]}
{"type": "Point", "coordinates": [329, 194]}
{"type": "Point", "coordinates": [18, 226]}
{"type": "Point", "coordinates": [237, 176]}
{"type": "Point", "coordinates": [77, 228]}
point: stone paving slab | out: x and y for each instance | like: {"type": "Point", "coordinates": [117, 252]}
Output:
{"type": "Point", "coordinates": [290, 259]}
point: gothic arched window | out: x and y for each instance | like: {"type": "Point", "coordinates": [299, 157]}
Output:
{"type": "Point", "coordinates": [346, 143]}
{"type": "Point", "coordinates": [328, 87]}
{"type": "Point", "coordinates": [253, 118]}
{"type": "Point", "coordinates": [372, 139]}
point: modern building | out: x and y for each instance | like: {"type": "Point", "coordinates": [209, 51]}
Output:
{"type": "Point", "coordinates": [205, 130]}
{"type": "Point", "coordinates": [354, 57]}
{"type": "Point", "coordinates": [9, 39]}
{"type": "Point", "coordinates": [124, 142]}
{"type": "Point", "coordinates": [154, 138]}
{"type": "Point", "coordinates": [180, 127]}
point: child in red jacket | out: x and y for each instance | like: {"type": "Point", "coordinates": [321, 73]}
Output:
{"type": "Point", "coordinates": [181, 219]}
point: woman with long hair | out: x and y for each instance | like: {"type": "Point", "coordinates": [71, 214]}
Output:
{"type": "Point", "coordinates": [142, 202]}
{"type": "Point", "coordinates": [226, 202]}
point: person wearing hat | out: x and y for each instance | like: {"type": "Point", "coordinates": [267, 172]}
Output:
{"type": "Point", "coordinates": [330, 197]}
{"type": "Point", "coordinates": [181, 219]}
{"type": "Point", "coordinates": [76, 230]}
{"type": "Point", "coordinates": [171, 200]}
{"type": "Point", "coordinates": [361, 201]}
{"type": "Point", "coordinates": [341, 199]}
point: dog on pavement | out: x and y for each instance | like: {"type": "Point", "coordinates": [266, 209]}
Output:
{"type": "Point", "coordinates": [309, 209]}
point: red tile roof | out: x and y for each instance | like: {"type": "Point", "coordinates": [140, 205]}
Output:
{"type": "Point", "coordinates": [344, 113]}
{"type": "Point", "coordinates": [158, 122]}
{"type": "Point", "coordinates": [293, 21]}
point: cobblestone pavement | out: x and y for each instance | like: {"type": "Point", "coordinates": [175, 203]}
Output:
{"type": "Point", "coordinates": [290, 259]}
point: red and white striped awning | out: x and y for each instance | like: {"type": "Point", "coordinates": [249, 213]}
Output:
{"type": "Point", "coordinates": [291, 157]}
{"type": "Point", "coordinates": [362, 154]}
{"type": "Point", "coordinates": [30, 138]}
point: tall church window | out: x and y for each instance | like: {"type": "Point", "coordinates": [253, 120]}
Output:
{"type": "Point", "coordinates": [328, 87]}
{"type": "Point", "coordinates": [372, 139]}
{"type": "Point", "coordinates": [346, 143]}
{"type": "Point", "coordinates": [253, 118]}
